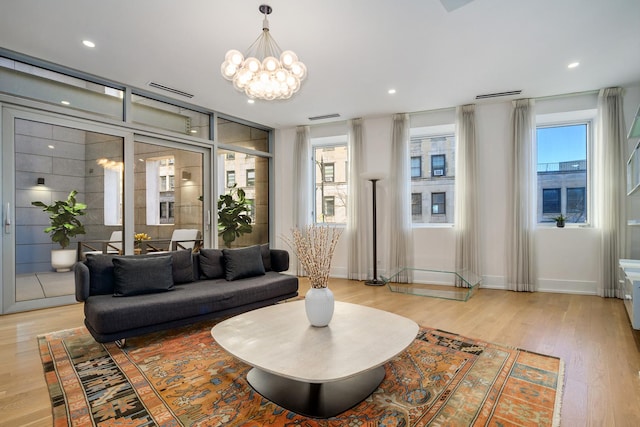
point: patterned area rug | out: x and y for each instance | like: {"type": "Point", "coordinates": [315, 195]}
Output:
{"type": "Point", "coordinates": [183, 378]}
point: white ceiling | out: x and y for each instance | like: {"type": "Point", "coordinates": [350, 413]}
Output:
{"type": "Point", "coordinates": [355, 50]}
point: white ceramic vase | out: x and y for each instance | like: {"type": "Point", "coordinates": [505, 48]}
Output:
{"type": "Point", "coordinates": [319, 303]}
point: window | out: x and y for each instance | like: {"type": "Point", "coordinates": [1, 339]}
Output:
{"type": "Point", "coordinates": [330, 172]}
{"type": "Point", "coordinates": [416, 166]}
{"type": "Point", "coordinates": [231, 178]}
{"type": "Point", "coordinates": [576, 204]}
{"type": "Point", "coordinates": [231, 156]}
{"type": "Point", "coordinates": [551, 203]}
{"type": "Point", "coordinates": [251, 177]}
{"type": "Point", "coordinates": [329, 206]}
{"type": "Point", "coordinates": [562, 171]}
{"type": "Point", "coordinates": [166, 212]}
{"type": "Point", "coordinates": [252, 209]}
{"type": "Point", "coordinates": [416, 204]}
{"type": "Point", "coordinates": [438, 203]}
{"type": "Point", "coordinates": [437, 165]}
{"type": "Point", "coordinates": [435, 186]}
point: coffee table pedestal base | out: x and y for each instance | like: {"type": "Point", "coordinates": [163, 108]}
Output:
{"type": "Point", "coordinates": [318, 400]}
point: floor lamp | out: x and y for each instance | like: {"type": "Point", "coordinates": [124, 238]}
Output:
{"type": "Point", "coordinates": [374, 178]}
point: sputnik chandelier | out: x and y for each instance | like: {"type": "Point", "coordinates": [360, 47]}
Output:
{"type": "Point", "coordinates": [264, 71]}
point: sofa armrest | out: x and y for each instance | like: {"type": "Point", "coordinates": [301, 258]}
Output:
{"type": "Point", "coordinates": [81, 275]}
{"type": "Point", "coordinates": [279, 260]}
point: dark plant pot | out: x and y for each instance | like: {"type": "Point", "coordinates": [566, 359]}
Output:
{"type": "Point", "coordinates": [560, 223]}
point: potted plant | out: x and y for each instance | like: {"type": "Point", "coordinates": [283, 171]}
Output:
{"type": "Point", "coordinates": [233, 215]}
{"type": "Point", "coordinates": [64, 225]}
{"type": "Point", "coordinates": [560, 220]}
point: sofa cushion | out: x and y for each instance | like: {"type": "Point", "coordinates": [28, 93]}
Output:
{"type": "Point", "coordinates": [182, 266]}
{"type": "Point", "coordinates": [142, 275]}
{"type": "Point", "coordinates": [266, 256]}
{"type": "Point", "coordinates": [243, 262]}
{"type": "Point", "coordinates": [101, 280]}
{"type": "Point", "coordinates": [211, 263]}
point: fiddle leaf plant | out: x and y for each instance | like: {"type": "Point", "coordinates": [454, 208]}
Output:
{"type": "Point", "coordinates": [233, 215]}
{"type": "Point", "coordinates": [63, 217]}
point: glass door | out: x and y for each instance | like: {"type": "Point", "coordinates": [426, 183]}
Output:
{"type": "Point", "coordinates": [170, 195]}
{"type": "Point", "coordinates": [44, 159]}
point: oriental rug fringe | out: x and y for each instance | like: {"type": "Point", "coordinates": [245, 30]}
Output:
{"type": "Point", "coordinates": [183, 378]}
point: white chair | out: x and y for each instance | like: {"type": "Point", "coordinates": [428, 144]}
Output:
{"type": "Point", "coordinates": [186, 238]}
{"type": "Point", "coordinates": [111, 246]}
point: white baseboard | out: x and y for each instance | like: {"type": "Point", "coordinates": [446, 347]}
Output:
{"type": "Point", "coordinates": [578, 287]}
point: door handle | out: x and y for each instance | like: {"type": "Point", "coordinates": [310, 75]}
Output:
{"type": "Point", "coordinates": [7, 219]}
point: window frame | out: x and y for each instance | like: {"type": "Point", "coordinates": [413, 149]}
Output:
{"type": "Point", "coordinates": [441, 127]}
{"type": "Point", "coordinates": [571, 118]}
{"type": "Point", "coordinates": [250, 177]}
{"type": "Point", "coordinates": [443, 203]}
{"type": "Point", "coordinates": [558, 199]}
{"type": "Point", "coordinates": [444, 166]}
{"type": "Point", "coordinates": [328, 143]}
{"type": "Point", "coordinates": [412, 167]}
{"type": "Point", "coordinates": [230, 173]}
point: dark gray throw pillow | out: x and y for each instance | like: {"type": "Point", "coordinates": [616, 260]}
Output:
{"type": "Point", "coordinates": [182, 266]}
{"type": "Point", "coordinates": [101, 280]}
{"type": "Point", "coordinates": [243, 262]}
{"type": "Point", "coordinates": [142, 275]}
{"type": "Point", "coordinates": [211, 263]}
{"type": "Point", "coordinates": [266, 256]}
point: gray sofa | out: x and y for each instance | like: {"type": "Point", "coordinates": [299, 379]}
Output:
{"type": "Point", "coordinates": [126, 296]}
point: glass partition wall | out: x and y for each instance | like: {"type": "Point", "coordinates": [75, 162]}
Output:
{"type": "Point", "coordinates": [141, 162]}
{"type": "Point", "coordinates": [248, 171]}
{"type": "Point", "coordinates": [45, 159]}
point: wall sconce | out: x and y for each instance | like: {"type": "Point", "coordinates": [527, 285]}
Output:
{"type": "Point", "coordinates": [40, 181]}
{"type": "Point", "coordinates": [186, 176]}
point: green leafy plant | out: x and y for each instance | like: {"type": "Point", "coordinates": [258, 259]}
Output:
{"type": "Point", "coordinates": [560, 218]}
{"type": "Point", "coordinates": [63, 216]}
{"type": "Point", "coordinates": [233, 215]}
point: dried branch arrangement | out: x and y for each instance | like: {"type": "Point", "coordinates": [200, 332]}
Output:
{"type": "Point", "coordinates": [314, 246]}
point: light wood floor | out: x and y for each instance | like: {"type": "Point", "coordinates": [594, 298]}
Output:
{"type": "Point", "coordinates": [591, 334]}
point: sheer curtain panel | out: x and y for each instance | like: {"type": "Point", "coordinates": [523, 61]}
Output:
{"type": "Point", "coordinates": [521, 272]}
{"type": "Point", "coordinates": [611, 186]}
{"type": "Point", "coordinates": [466, 194]}
{"type": "Point", "coordinates": [400, 238]}
{"type": "Point", "coordinates": [357, 212]}
{"type": "Point", "coordinates": [302, 182]}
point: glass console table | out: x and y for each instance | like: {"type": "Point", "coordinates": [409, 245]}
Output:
{"type": "Point", "coordinates": [435, 283]}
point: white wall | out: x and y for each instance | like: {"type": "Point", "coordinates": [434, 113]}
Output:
{"type": "Point", "coordinates": [567, 259]}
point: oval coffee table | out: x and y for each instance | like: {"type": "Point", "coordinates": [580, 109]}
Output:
{"type": "Point", "coordinates": [317, 372]}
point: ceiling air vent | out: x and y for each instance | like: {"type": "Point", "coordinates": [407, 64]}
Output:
{"type": "Point", "coordinates": [499, 94]}
{"type": "Point", "coordinates": [170, 89]}
{"type": "Point", "coordinates": [326, 116]}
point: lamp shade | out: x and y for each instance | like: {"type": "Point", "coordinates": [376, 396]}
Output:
{"type": "Point", "coordinates": [373, 176]}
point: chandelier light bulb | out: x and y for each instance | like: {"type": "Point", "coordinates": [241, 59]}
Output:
{"type": "Point", "coordinates": [264, 72]}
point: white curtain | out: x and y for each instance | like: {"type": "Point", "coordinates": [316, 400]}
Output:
{"type": "Point", "coordinates": [611, 188]}
{"type": "Point", "coordinates": [357, 212]}
{"type": "Point", "coordinates": [521, 271]}
{"type": "Point", "coordinates": [302, 188]}
{"type": "Point", "coordinates": [466, 194]}
{"type": "Point", "coordinates": [400, 236]}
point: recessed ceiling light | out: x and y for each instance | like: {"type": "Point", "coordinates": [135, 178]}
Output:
{"type": "Point", "coordinates": [51, 146]}
{"type": "Point", "coordinates": [194, 131]}
{"type": "Point", "coordinates": [251, 101]}
{"type": "Point", "coordinates": [573, 65]}
{"type": "Point", "coordinates": [392, 91]}
{"type": "Point", "coordinates": [88, 43]}
{"type": "Point", "coordinates": [65, 102]}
